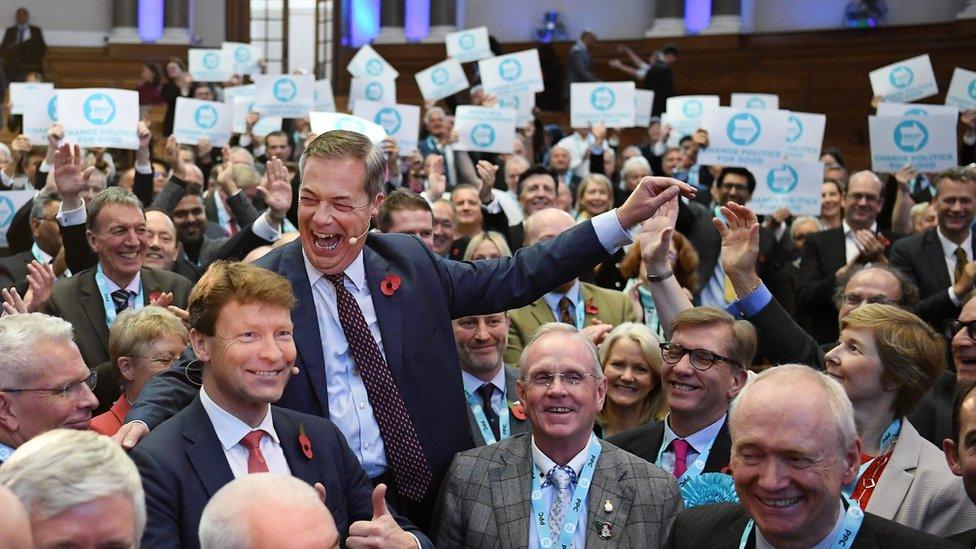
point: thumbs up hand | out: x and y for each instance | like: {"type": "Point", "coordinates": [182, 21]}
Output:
{"type": "Point", "coordinates": [382, 531]}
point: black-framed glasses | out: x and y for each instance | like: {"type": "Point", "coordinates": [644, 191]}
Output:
{"type": "Point", "coordinates": [62, 392]}
{"type": "Point", "coordinates": [952, 328]}
{"type": "Point", "coordinates": [572, 378]}
{"type": "Point", "coordinates": [701, 359]}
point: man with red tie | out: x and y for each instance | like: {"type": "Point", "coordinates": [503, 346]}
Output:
{"type": "Point", "coordinates": [241, 330]}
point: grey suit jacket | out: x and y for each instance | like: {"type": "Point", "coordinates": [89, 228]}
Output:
{"type": "Point", "coordinates": [484, 501]}
{"type": "Point", "coordinates": [918, 490]}
{"type": "Point", "coordinates": [518, 426]}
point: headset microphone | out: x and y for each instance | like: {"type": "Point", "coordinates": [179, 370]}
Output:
{"type": "Point", "coordinates": [294, 370]}
{"type": "Point", "coordinates": [353, 240]}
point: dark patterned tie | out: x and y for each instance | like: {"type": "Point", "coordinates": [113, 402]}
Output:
{"type": "Point", "coordinates": [406, 456]}
{"type": "Point", "coordinates": [485, 392]}
{"type": "Point", "coordinates": [121, 300]}
{"type": "Point", "coordinates": [565, 313]}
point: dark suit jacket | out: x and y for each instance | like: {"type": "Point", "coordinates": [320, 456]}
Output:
{"type": "Point", "coordinates": [78, 301]}
{"type": "Point", "coordinates": [518, 426]}
{"type": "Point", "coordinates": [182, 465]}
{"type": "Point", "coordinates": [720, 526]}
{"type": "Point", "coordinates": [645, 442]}
{"type": "Point", "coordinates": [824, 253]}
{"type": "Point", "coordinates": [26, 56]}
{"type": "Point", "coordinates": [921, 258]}
{"type": "Point", "coordinates": [415, 325]}
{"type": "Point", "coordinates": [13, 271]}
{"type": "Point", "coordinates": [966, 539]}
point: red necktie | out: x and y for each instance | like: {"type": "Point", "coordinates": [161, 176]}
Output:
{"type": "Point", "coordinates": [680, 448]}
{"type": "Point", "coordinates": [255, 459]}
{"type": "Point", "coordinates": [406, 456]}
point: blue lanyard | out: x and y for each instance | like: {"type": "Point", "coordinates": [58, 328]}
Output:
{"type": "Point", "coordinates": [845, 538]}
{"type": "Point", "coordinates": [888, 439]}
{"type": "Point", "coordinates": [504, 428]}
{"type": "Point", "coordinates": [107, 302]}
{"type": "Point", "coordinates": [693, 470]}
{"type": "Point", "coordinates": [651, 318]}
{"type": "Point", "coordinates": [580, 313]}
{"type": "Point", "coordinates": [568, 528]}
{"type": "Point", "coordinates": [5, 452]}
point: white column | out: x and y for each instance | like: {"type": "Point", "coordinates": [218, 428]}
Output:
{"type": "Point", "coordinates": [726, 17]}
{"type": "Point", "coordinates": [391, 23]}
{"type": "Point", "coordinates": [443, 20]}
{"type": "Point", "coordinates": [968, 12]}
{"type": "Point", "coordinates": [669, 19]}
{"type": "Point", "coordinates": [125, 22]}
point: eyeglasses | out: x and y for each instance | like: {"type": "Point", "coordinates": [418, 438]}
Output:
{"type": "Point", "coordinates": [62, 392]}
{"type": "Point", "coordinates": [857, 197]}
{"type": "Point", "coordinates": [701, 359]}
{"type": "Point", "coordinates": [571, 379]}
{"type": "Point", "coordinates": [161, 360]}
{"type": "Point", "coordinates": [952, 328]}
{"type": "Point", "coordinates": [855, 300]}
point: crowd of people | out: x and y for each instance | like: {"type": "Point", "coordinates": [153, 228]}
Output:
{"type": "Point", "coordinates": [306, 340]}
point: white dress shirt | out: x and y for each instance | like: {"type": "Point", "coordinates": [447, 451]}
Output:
{"type": "Point", "coordinates": [545, 464]}
{"type": "Point", "coordinates": [472, 383]}
{"type": "Point", "coordinates": [231, 430]}
{"type": "Point", "coordinates": [949, 250]}
{"type": "Point", "coordinates": [850, 244]}
{"type": "Point", "coordinates": [697, 441]}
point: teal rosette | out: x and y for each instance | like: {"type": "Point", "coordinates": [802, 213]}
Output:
{"type": "Point", "coordinates": [709, 488]}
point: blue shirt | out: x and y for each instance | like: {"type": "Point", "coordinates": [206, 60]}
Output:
{"type": "Point", "coordinates": [545, 464]}
{"type": "Point", "coordinates": [552, 299]}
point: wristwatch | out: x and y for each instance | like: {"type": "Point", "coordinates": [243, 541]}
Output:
{"type": "Point", "coordinates": [660, 277]}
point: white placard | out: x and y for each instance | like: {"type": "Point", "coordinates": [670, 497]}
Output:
{"type": "Point", "coordinates": [211, 65]}
{"type": "Point", "coordinates": [744, 137]}
{"type": "Point", "coordinates": [100, 117]}
{"type": "Point", "coordinates": [323, 100]}
{"type": "Point", "coordinates": [238, 91]}
{"type": "Point", "coordinates": [928, 143]}
{"type": "Point", "coordinates": [401, 122]}
{"type": "Point", "coordinates": [369, 64]}
{"type": "Point", "coordinates": [523, 103]}
{"type": "Point", "coordinates": [611, 103]}
{"type": "Point", "coordinates": [794, 184]}
{"type": "Point", "coordinates": [327, 121]}
{"type": "Point", "coordinates": [243, 57]}
{"type": "Point", "coordinates": [468, 45]}
{"type": "Point", "coordinates": [196, 119]}
{"type": "Point", "coordinates": [484, 129]}
{"type": "Point", "coordinates": [962, 89]}
{"type": "Point", "coordinates": [21, 90]}
{"type": "Point", "coordinates": [683, 114]}
{"type": "Point", "coordinates": [441, 80]}
{"type": "Point", "coordinates": [40, 112]}
{"type": "Point", "coordinates": [767, 101]}
{"type": "Point", "coordinates": [380, 90]}
{"type": "Point", "coordinates": [514, 73]}
{"type": "Point", "coordinates": [265, 124]}
{"type": "Point", "coordinates": [804, 135]}
{"type": "Point", "coordinates": [916, 109]}
{"type": "Point", "coordinates": [643, 104]}
{"type": "Point", "coordinates": [905, 81]}
{"type": "Point", "coordinates": [10, 202]}
{"type": "Point", "coordinates": [284, 96]}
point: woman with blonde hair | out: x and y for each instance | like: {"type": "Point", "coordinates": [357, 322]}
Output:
{"type": "Point", "coordinates": [593, 197]}
{"type": "Point", "coordinates": [631, 361]}
{"type": "Point", "coordinates": [486, 245]}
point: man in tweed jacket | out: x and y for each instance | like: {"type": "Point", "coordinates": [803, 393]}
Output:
{"type": "Point", "coordinates": [617, 500]}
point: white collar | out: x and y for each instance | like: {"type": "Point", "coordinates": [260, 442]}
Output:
{"type": "Point", "coordinates": [949, 247]}
{"type": "Point", "coordinates": [356, 271]}
{"type": "Point", "coordinates": [133, 286]}
{"type": "Point", "coordinates": [847, 228]}
{"type": "Point", "coordinates": [825, 543]}
{"type": "Point", "coordinates": [471, 383]}
{"type": "Point", "coordinates": [698, 440]}
{"type": "Point", "coordinates": [573, 293]}
{"type": "Point", "coordinates": [230, 430]}
{"type": "Point", "coordinates": [545, 464]}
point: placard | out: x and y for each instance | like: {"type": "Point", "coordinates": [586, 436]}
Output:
{"type": "Point", "coordinates": [369, 64]}
{"type": "Point", "coordinates": [238, 91]}
{"type": "Point", "coordinates": [916, 109]}
{"type": "Point", "coordinates": [100, 117]}
{"type": "Point", "coordinates": [611, 103]}
{"type": "Point", "coordinates": [744, 137]}
{"type": "Point", "coordinates": [484, 129]}
{"type": "Point", "coordinates": [40, 112]}
{"type": "Point", "coordinates": [10, 202]}
{"type": "Point", "coordinates": [284, 95]}
{"type": "Point", "coordinates": [804, 135]}
{"type": "Point", "coordinates": [441, 80]}
{"type": "Point", "coordinates": [469, 45]}
{"type": "Point", "coordinates": [523, 103]}
{"type": "Point", "coordinates": [794, 184]}
{"type": "Point", "coordinates": [962, 90]}
{"type": "Point", "coordinates": [643, 104]}
{"type": "Point", "coordinates": [265, 124]}
{"type": "Point", "coordinates": [401, 122]}
{"type": "Point", "coordinates": [211, 65]}
{"type": "Point", "coordinates": [243, 57]}
{"type": "Point", "coordinates": [322, 122]}
{"type": "Point", "coordinates": [928, 143]}
{"type": "Point", "coordinates": [510, 74]}
{"type": "Point", "coordinates": [323, 100]}
{"type": "Point", "coordinates": [767, 101]}
{"type": "Point", "coordinates": [21, 90]}
{"type": "Point", "coordinates": [905, 81]}
{"type": "Point", "coordinates": [196, 119]}
{"type": "Point", "coordinates": [683, 114]}
{"type": "Point", "coordinates": [380, 90]}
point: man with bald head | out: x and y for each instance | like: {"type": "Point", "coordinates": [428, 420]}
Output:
{"type": "Point", "coordinates": [15, 530]}
{"type": "Point", "coordinates": [590, 308]}
{"type": "Point", "coordinates": [164, 247]}
{"type": "Point", "coordinates": [831, 254]}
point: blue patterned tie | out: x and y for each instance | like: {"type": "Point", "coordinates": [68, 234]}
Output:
{"type": "Point", "coordinates": [121, 300]}
{"type": "Point", "coordinates": [563, 479]}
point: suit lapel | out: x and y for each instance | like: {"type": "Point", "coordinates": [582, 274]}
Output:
{"type": "Point", "coordinates": [519, 426]}
{"type": "Point", "coordinates": [936, 257]}
{"type": "Point", "coordinates": [898, 474]}
{"type": "Point", "coordinates": [606, 487]}
{"type": "Point", "coordinates": [541, 313]}
{"type": "Point", "coordinates": [149, 285]}
{"type": "Point", "coordinates": [589, 298]}
{"type": "Point", "coordinates": [389, 309]}
{"type": "Point", "coordinates": [835, 250]}
{"type": "Point", "coordinates": [718, 456]}
{"type": "Point", "coordinates": [300, 466]}
{"type": "Point", "coordinates": [509, 494]}
{"type": "Point", "coordinates": [205, 452]}
{"type": "Point", "coordinates": [94, 308]}
{"type": "Point", "coordinates": [307, 335]}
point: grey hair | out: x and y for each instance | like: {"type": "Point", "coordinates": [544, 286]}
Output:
{"type": "Point", "coordinates": [836, 403]}
{"type": "Point", "coordinates": [344, 144]}
{"type": "Point", "coordinates": [634, 163]}
{"type": "Point", "coordinates": [111, 195]}
{"type": "Point", "coordinates": [243, 151]}
{"type": "Point", "coordinates": [223, 525]}
{"type": "Point", "coordinates": [431, 111]}
{"type": "Point", "coordinates": [63, 468]}
{"type": "Point", "coordinates": [800, 221]}
{"type": "Point", "coordinates": [40, 203]}
{"type": "Point", "coordinates": [21, 338]}
{"type": "Point", "coordinates": [5, 155]}
{"type": "Point", "coordinates": [550, 328]}
{"type": "Point", "coordinates": [518, 159]}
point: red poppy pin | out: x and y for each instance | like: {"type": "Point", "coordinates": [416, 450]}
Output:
{"type": "Point", "coordinates": [883, 240]}
{"type": "Point", "coordinates": [304, 442]}
{"type": "Point", "coordinates": [726, 470]}
{"type": "Point", "coordinates": [154, 297]}
{"type": "Point", "coordinates": [390, 284]}
{"type": "Point", "coordinates": [517, 409]}
{"type": "Point", "coordinates": [591, 309]}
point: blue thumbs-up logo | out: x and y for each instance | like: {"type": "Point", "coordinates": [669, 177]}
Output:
{"type": "Point", "coordinates": [285, 90]}
{"type": "Point", "coordinates": [911, 136]}
{"type": "Point", "coordinates": [99, 109]}
{"type": "Point", "coordinates": [743, 129]}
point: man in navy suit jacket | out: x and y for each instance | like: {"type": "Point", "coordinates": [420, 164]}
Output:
{"type": "Point", "coordinates": [408, 296]}
{"type": "Point", "coordinates": [241, 328]}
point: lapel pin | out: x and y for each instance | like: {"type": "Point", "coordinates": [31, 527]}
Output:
{"type": "Point", "coordinates": [607, 506]}
{"type": "Point", "coordinates": [605, 531]}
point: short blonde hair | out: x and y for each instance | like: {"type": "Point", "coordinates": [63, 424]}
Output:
{"type": "Point", "coordinates": [741, 347]}
{"type": "Point", "coordinates": [494, 237]}
{"type": "Point", "coordinates": [135, 330]}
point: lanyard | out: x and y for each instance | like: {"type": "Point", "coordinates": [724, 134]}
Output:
{"type": "Point", "coordinates": [694, 469]}
{"type": "Point", "coordinates": [845, 538]}
{"type": "Point", "coordinates": [5, 452]}
{"type": "Point", "coordinates": [651, 318]}
{"type": "Point", "coordinates": [568, 528]}
{"type": "Point", "coordinates": [102, 283]}
{"type": "Point", "coordinates": [888, 440]}
{"type": "Point", "coordinates": [479, 417]}
{"type": "Point", "coordinates": [580, 313]}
